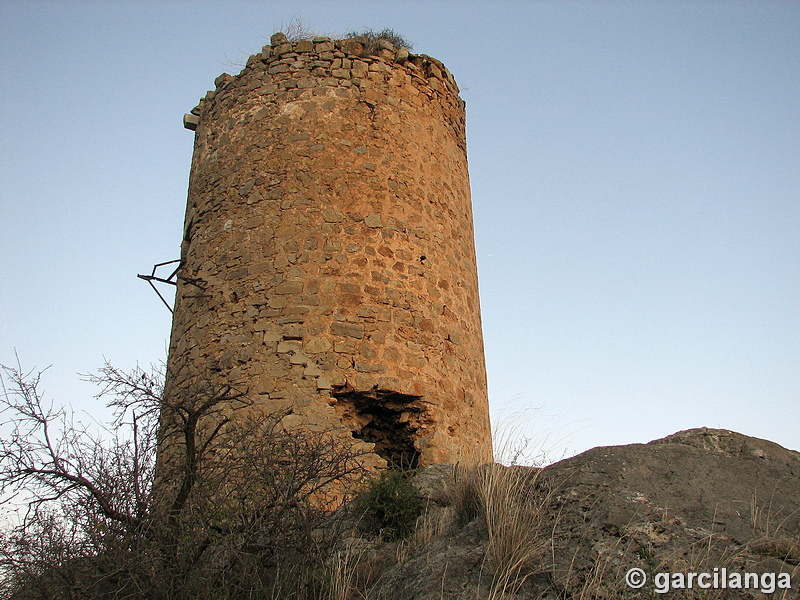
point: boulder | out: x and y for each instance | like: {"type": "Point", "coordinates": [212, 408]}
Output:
{"type": "Point", "coordinates": [699, 501]}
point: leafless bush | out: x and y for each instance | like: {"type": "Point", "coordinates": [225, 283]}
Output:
{"type": "Point", "coordinates": [180, 500]}
{"type": "Point", "coordinates": [298, 29]}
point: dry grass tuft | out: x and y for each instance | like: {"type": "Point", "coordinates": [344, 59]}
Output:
{"type": "Point", "coordinates": [342, 573]}
{"type": "Point", "coordinates": [515, 514]}
{"type": "Point", "coordinates": [513, 503]}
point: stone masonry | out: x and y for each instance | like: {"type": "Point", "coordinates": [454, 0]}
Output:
{"type": "Point", "coordinates": [328, 263]}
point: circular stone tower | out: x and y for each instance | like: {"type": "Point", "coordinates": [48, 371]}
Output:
{"type": "Point", "coordinates": [328, 264]}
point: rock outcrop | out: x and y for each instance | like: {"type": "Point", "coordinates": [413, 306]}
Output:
{"type": "Point", "coordinates": [699, 501]}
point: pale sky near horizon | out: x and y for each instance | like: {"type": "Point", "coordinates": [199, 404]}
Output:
{"type": "Point", "coordinates": [635, 172]}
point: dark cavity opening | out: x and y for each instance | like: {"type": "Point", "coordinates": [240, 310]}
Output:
{"type": "Point", "coordinates": [385, 418]}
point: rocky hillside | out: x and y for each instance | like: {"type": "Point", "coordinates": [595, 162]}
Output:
{"type": "Point", "coordinates": [702, 501]}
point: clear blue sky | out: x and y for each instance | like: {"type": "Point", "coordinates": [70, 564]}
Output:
{"type": "Point", "coordinates": [635, 173]}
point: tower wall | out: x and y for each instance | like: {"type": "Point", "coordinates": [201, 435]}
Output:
{"type": "Point", "coordinates": [328, 264]}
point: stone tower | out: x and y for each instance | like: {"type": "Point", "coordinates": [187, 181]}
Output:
{"type": "Point", "coordinates": [328, 263]}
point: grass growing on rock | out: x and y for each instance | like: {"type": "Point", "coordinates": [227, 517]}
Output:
{"type": "Point", "coordinates": [372, 39]}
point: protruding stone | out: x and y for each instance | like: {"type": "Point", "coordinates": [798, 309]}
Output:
{"type": "Point", "coordinates": [191, 121]}
{"type": "Point", "coordinates": [278, 38]}
{"type": "Point", "coordinates": [298, 358]}
{"type": "Point", "coordinates": [401, 55]}
{"type": "Point", "coordinates": [373, 221]}
{"type": "Point", "coordinates": [290, 346]}
{"type": "Point", "coordinates": [352, 46]}
{"type": "Point", "coordinates": [312, 369]}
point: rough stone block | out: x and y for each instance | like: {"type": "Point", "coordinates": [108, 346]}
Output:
{"type": "Point", "coordinates": [373, 221]}
{"type": "Point", "coordinates": [323, 46]}
{"type": "Point", "coordinates": [293, 346]}
{"type": "Point", "coordinates": [318, 344]}
{"type": "Point", "coordinates": [347, 329]}
{"type": "Point", "coordinates": [190, 121]}
{"type": "Point", "coordinates": [278, 38]}
{"type": "Point", "coordinates": [289, 287]}
{"type": "Point", "coordinates": [352, 47]}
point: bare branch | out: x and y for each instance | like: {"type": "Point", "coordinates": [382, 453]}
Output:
{"type": "Point", "coordinates": [238, 494]}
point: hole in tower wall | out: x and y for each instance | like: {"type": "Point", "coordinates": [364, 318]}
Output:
{"type": "Point", "coordinates": [387, 419]}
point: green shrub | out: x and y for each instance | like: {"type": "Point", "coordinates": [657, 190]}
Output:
{"type": "Point", "coordinates": [390, 505]}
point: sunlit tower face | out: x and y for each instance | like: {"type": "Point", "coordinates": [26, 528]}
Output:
{"type": "Point", "coordinates": [328, 265]}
